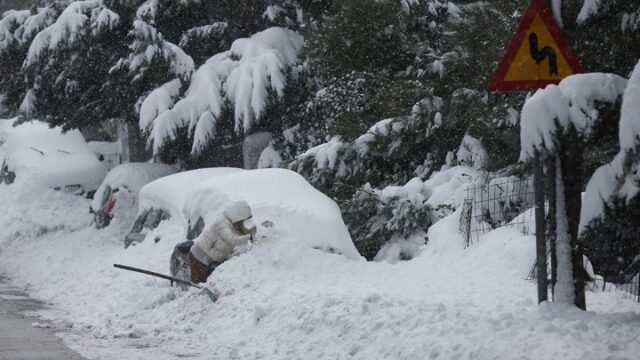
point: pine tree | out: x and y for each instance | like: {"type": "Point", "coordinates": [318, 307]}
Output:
{"type": "Point", "coordinates": [18, 28]}
{"type": "Point", "coordinates": [256, 84]}
{"type": "Point", "coordinates": [67, 63]}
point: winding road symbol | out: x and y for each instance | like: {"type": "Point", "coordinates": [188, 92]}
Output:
{"type": "Point", "coordinates": [539, 55]}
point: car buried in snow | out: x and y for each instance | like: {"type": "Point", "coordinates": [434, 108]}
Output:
{"type": "Point", "coordinates": [284, 206]}
{"type": "Point", "coordinates": [56, 159]}
{"type": "Point", "coordinates": [174, 210]}
{"type": "Point", "coordinates": [121, 188]}
{"type": "Point", "coordinates": [163, 199]}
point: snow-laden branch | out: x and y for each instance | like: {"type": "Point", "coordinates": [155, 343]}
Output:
{"type": "Point", "coordinates": [147, 46]}
{"type": "Point", "coordinates": [630, 114]}
{"type": "Point", "coordinates": [9, 21]}
{"type": "Point", "coordinates": [216, 29]}
{"type": "Point", "coordinates": [19, 27]}
{"type": "Point", "coordinates": [78, 19]}
{"type": "Point", "coordinates": [158, 101]}
{"type": "Point", "coordinates": [556, 8]}
{"type": "Point", "coordinates": [557, 107]}
{"type": "Point", "coordinates": [589, 8]}
{"type": "Point", "coordinates": [148, 10]}
{"type": "Point", "coordinates": [242, 77]}
{"type": "Point", "coordinates": [433, 6]}
{"type": "Point", "coordinates": [621, 177]}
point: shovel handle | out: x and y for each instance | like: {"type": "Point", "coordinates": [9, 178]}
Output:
{"type": "Point", "coordinates": [167, 277]}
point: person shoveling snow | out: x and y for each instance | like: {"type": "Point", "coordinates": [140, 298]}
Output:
{"type": "Point", "coordinates": [232, 229]}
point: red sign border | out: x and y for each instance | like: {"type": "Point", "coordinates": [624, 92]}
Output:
{"type": "Point", "coordinates": [537, 7]}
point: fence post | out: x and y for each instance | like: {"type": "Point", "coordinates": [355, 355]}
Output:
{"type": "Point", "coordinates": [541, 241]}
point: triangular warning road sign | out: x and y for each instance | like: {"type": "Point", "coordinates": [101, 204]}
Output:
{"type": "Point", "coordinates": [538, 55]}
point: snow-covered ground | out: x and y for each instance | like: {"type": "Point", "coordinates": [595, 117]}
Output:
{"type": "Point", "coordinates": [283, 301]}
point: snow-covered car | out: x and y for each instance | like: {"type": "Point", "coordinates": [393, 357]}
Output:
{"type": "Point", "coordinates": [62, 161]}
{"type": "Point", "coordinates": [284, 205]}
{"type": "Point", "coordinates": [164, 198]}
{"type": "Point", "coordinates": [122, 185]}
{"type": "Point", "coordinates": [109, 153]}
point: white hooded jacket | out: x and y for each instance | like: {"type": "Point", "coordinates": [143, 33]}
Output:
{"type": "Point", "coordinates": [217, 242]}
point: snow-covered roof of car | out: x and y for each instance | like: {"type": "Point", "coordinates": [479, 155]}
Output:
{"type": "Point", "coordinates": [132, 176]}
{"type": "Point", "coordinates": [283, 197]}
{"type": "Point", "coordinates": [170, 192]}
{"type": "Point", "coordinates": [55, 158]}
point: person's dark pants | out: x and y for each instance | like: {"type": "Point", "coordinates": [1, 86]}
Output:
{"type": "Point", "coordinates": [199, 272]}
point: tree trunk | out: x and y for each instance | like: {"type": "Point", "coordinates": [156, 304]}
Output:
{"type": "Point", "coordinates": [551, 218]}
{"type": "Point", "coordinates": [571, 164]}
{"type": "Point", "coordinates": [138, 150]}
{"type": "Point", "coordinates": [564, 289]}
{"type": "Point", "coordinates": [123, 140]}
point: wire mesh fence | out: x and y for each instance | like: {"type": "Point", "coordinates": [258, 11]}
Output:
{"type": "Point", "coordinates": [501, 202]}
{"type": "Point", "coordinates": [629, 290]}
{"type": "Point", "coordinates": [508, 202]}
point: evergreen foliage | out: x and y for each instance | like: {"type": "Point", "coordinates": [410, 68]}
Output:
{"type": "Point", "coordinates": [360, 95]}
{"type": "Point", "coordinates": [611, 241]}
{"type": "Point", "coordinates": [67, 65]}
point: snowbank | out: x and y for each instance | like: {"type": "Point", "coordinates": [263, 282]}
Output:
{"type": "Point", "coordinates": [297, 210]}
{"type": "Point", "coordinates": [284, 300]}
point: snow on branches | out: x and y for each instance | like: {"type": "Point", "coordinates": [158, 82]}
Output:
{"type": "Point", "coordinates": [158, 101]}
{"type": "Point", "coordinates": [589, 8]}
{"type": "Point", "coordinates": [620, 179]}
{"type": "Point", "coordinates": [630, 115]}
{"type": "Point", "coordinates": [241, 77]}
{"type": "Point", "coordinates": [79, 19]}
{"type": "Point", "coordinates": [8, 23]}
{"type": "Point", "coordinates": [19, 27]}
{"type": "Point", "coordinates": [149, 45]}
{"type": "Point", "coordinates": [557, 107]}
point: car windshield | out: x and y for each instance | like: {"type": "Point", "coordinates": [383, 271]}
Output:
{"type": "Point", "coordinates": [195, 229]}
{"type": "Point", "coordinates": [149, 220]}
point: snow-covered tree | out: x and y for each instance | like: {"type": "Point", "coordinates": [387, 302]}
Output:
{"type": "Point", "coordinates": [242, 81]}
{"type": "Point", "coordinates": [612, 22]}
{"type": "Point", "coordinates": [390, 154]}
{"type": "Point", "coordinates": [17, 30]}
{"type": "Point", "coordinates": [609, 221]}
{"type": "Point", "coordinates": [67, 63]}
{"type": "Point", "coordinates": [558, 121]}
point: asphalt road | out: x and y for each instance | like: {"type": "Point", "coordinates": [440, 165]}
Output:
{"type": "Point", "coordinates": [19, 339]}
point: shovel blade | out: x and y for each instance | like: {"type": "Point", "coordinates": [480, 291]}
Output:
{"type": "Point", "coordinates": [212, 294]}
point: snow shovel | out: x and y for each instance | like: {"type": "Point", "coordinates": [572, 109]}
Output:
{"type": "Point", "coordinates": [213, 295]}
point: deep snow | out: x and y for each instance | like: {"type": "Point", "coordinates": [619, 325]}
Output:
{"type": "Point", "coordinates": [286, 301]}
{"type": "Point", "coordinates": [56, 158]}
